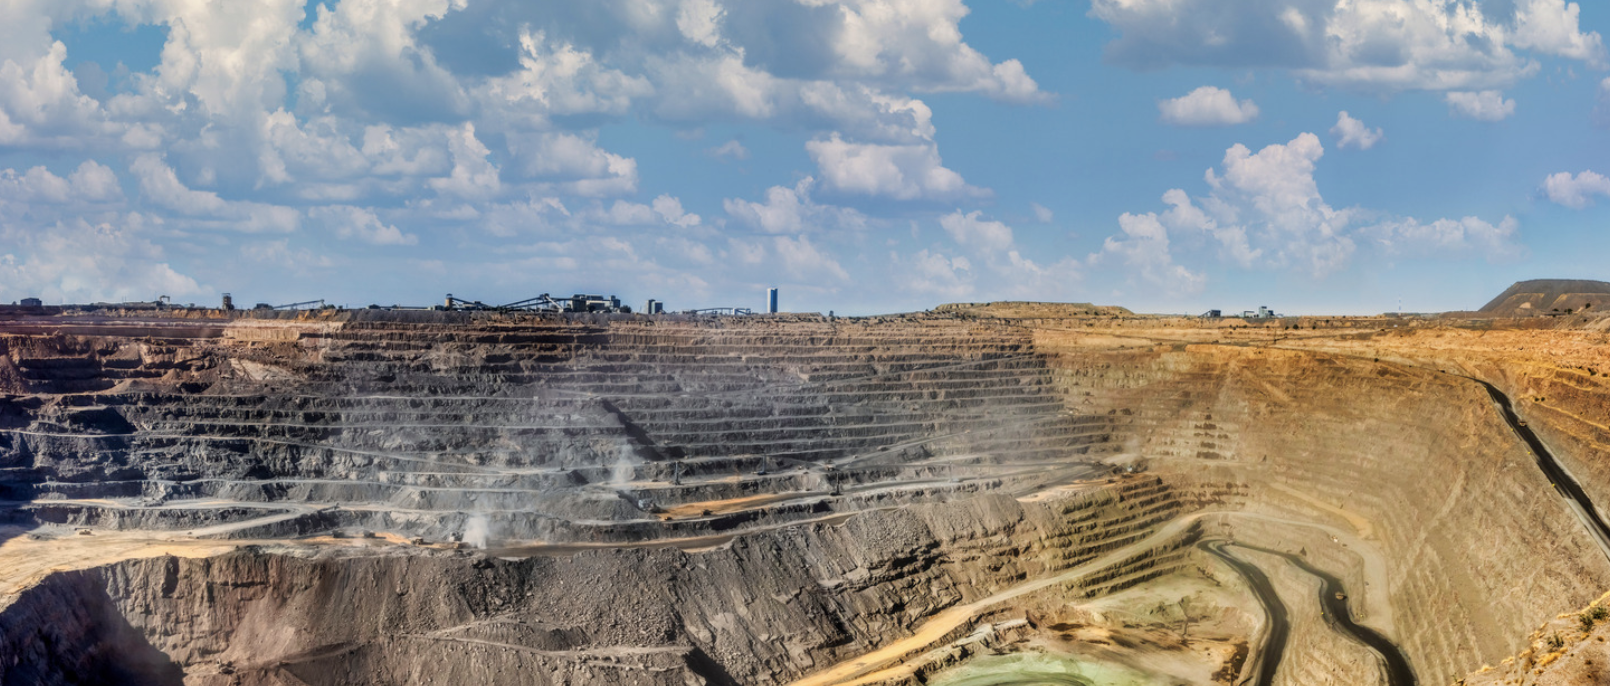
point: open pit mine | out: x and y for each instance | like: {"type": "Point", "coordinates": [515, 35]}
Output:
{"type": "Point", "coordinates": [979, 495]}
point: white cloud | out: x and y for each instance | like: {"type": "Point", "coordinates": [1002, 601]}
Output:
{"type": "Point", "coordinates": [77, 261]}
{"type": "Point", "coordinates": [369, 121]}
{"type": "Point", "coordinates": [664, 210]}
{"type": "Point", "coordinates": [41, 106]}
{"type": "Point", "coordinates": [1601, 109]}
{"type": "Point", "coordinates": [574, 162]}
{"type": "Point", "coordinates": [91, 182]}
{"type": "Point", "coordinates": [360, 223]}
{"type": "Point", "coordinates": [1275, 188]}
{"type": "Point", "coordinates": [1576, 192]}
{"type": "Point", "coordinates": [406, 152]}
{"type": "Point", "coordinates": [921, 43]}
{"type": "Point", "coordinates": [1041, 213]}
{"type": "Point", "coordinates": [473, 175]}
{"type": "Point", "coordinates": [1352, 133]}
{"type": "Point", "coordinates": [732, 149]}
{"type": "Point", "coordinates": [160, 185]}
{"type": "Point", "coordinates": [934, 275]}
{"type": "Point", "coordinates": [970, 230]}
{"type": "Point", "coordinates": [1481, 106]}
{"type": "Point", "coordinates": [802, 260]}
{"type": "Point", "coordinates": [1553, 27]}
{"type": "Point", "coordinates": [368, 58]}
{"type": "Point", "coordinates": [902, 172]}
{"type": "Point", "coordinates": [557, 78]}
{"type": "Point", "coordinates": [1207, 106]}
{"type": "Point", "coordinates": [1447, 237]}
{"type": "Point", "coordinates": [1378, 45]}
{"type": "Point", "coordinates": [532, 215]}
{"type": "Point", "coordinates": [670, 209]}
{"type": "Point", "coordinates": [868, 114]}
{"type": "Point", "coordinates": [1144, 247]}
{"type": "Point", "coordinates": [696, 88]}
{"type": "Point", "coordinates": [700, 21]}
{"type": "Point", "coordinates": [791, 210]}
{"type": "Point", "coordinates": [1264, 210]}
{"type": "Point", "coordinates": [292, 151]}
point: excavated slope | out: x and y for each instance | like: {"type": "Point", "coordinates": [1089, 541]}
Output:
{"type": "Point", "coordinates": [663, 500]}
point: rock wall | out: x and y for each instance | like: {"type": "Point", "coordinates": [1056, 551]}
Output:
{"type": "Point", "coordinates": [1406, 468]}
{"type": "Point", "coordinates": [765, 608]}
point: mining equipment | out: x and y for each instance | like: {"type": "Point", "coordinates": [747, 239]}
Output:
{"type": "Point", "coordinates": [579, 302]}
{"type": "Point", "coordinates": [310, 304]}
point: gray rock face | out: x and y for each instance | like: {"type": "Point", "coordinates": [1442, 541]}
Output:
{"type": "Point", "coordinates": [556, 430]}
{"type": "Point", "coordinates": [766, 607]}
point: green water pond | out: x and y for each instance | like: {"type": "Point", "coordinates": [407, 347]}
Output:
{"type": "Point", "coordinates": [1035, 669]}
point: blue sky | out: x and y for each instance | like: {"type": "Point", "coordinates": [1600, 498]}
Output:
{"type": "Point", "coordinates": [862, 155]}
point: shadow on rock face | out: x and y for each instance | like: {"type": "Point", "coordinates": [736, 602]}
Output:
{"type": "Point", "coordinates": [67, 630]}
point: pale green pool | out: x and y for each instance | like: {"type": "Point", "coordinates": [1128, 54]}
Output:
{"type": "Point", "coordinates": [1036, 669]}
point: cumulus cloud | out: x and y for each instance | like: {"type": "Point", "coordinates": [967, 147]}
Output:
{"type": "Point", "coordinates": [1481, 106]}
{"type": "Point", "coordinates": [557, 78]}
{"type": "Point", "coordinates": [1381, 45]}
{"type": "Point", "coordinates": [669, 208]}
{"type": "Point", "coordinates": [371, 121]}
{"type": "Point", "coordinates": [972, 231]}
{"type": "Point", "coordinates": [1144, 248]}
{"type": "Point", "coordinates": [574, 163]}
{"type": "Point", "coordinates": [361, 224]}
{"type": "Point", "coordinates": [792, 211]}
{"type": "Point", "coordinates": [79, 261]}
{"type": "Point", "coordinates": [41, 105]}
{"type": "Point", "coordinates": [1264, 210]}
{"type": "Point", "coordinates": [1576, 192]}
{"type": "Point", "coordinates": [91, 182]}
{"type": "Point", "coordinates": [473, 174]}
{"type": "Point", "coordinates": [1207, 106]}
{"type": "Point", "coordinates": [1042, 214]}
{"type": "Point", "coordinates": [868, 114]}
{"type": "Point", "coordinates": [918, 44]}
{"type": "Point", "coordinates": [160, 185]}
{"type": "Point", "coordinates": [1447, 237]}
{"type": "Point", "coordinates": [934, 275]}
{"type": "Point", "coordinates": [802, 260]}
{"type": "Point", "coordinates": [366, 56]}
{"type": "Point", "coordinates": [731, 149]}
{"type": "Point", "coordinates": [1352, 133]}
{"type": "Point", "coordinates": [902, 172]}
{"type": "Point", "coordinates": [1553, 27]}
